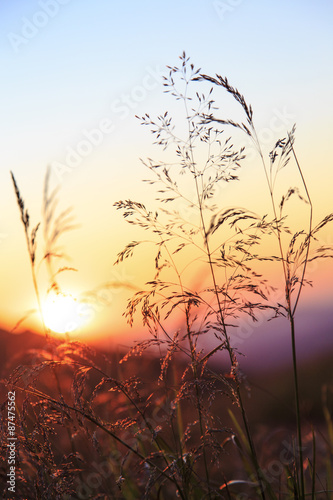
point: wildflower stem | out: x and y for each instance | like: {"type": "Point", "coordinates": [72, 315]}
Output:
{"type": "Point", "coordinates": [95, 421]}
{"type": "Point", "coordinates": [290, 309]}
{"type": "Point", "coordinates": [194, 364]}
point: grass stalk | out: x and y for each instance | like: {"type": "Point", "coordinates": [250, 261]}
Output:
{"type": "Point", "coordinates": [291, 310]}
{"type": "Point", "coordinates": [98, 424]}
{"type": "Point", "coordinates": [182, 450]}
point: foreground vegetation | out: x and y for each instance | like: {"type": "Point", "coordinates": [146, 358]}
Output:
{"type": "Point", "coordinates": [96, 426]}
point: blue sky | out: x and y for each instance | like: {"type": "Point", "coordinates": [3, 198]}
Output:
{"type": "Point", "coordinates": [71, 69]}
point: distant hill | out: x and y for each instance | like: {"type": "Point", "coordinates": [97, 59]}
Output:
{"type": "Point", "coordinates": [12, 345]}
{"type": "Point", "coordinates": [276, 384]}
{"type": "Point", "coordinates": [261, 352]}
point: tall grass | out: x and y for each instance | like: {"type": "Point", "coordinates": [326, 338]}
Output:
{"type": "Point", "coordinates": [294, 256]}
{"type": "Point", "coordinates": [171, 424]}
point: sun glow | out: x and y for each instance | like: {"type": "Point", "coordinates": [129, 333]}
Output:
{"type": "Point", "coordinates": [63, 313]}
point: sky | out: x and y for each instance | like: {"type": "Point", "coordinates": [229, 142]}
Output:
{"type": "Point", "coordinates": [75, 74]}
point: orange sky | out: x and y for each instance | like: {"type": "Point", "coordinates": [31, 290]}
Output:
{"type": "Point", "coordinates": [63, 87]}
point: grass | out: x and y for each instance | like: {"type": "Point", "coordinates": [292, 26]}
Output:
{"type": "Point", "coordinates": [92, 425]}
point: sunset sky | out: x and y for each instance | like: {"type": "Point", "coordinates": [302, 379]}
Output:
{"type": "Point", "coordinates": [71, 67]}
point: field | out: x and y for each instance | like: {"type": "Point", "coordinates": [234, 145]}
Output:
{"type": "Point", "coordinates": [62, 455]}
{"type": "Point", "coordinates": [175, 416]}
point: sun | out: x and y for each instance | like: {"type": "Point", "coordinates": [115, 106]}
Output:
{"type": "Point", "coordinates": [63, 313]}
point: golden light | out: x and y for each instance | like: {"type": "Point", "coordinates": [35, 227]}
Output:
{"type": "Point", "coordinates": [63, 313]}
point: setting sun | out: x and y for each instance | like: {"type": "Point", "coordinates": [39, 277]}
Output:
{"type": "Point", "coordinates": [62, 313]}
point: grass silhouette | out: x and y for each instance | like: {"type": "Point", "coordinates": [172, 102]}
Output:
{"type": "Point", "coordinates": [92, 425]}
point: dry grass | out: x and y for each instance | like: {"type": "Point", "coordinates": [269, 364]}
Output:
{"type": "Point", "coordinates": [93, 426]}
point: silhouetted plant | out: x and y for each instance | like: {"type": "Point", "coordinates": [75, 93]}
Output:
{"type": "Point", "coordinates": [167, 427]}
{"type": "Point", "coordinates": [224, 239]}
{"type": "Point", "coordinates": [294, 255]}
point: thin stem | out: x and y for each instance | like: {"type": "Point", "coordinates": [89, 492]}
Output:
{"type": "Point", "coordinates": [298, 413]}
{"type": "Point", "coordinates": [93, 420]}
{"type": "Point", "coordinates": [222, 322]}
{"type": "Point", "coordinates": [231, 355]}
{"type": "Point", "coordinates": [310, 225]}
{"type": "Point", "coordinates": [290, 309]}
{"type": "Point", "coordinates": [194, 362]}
